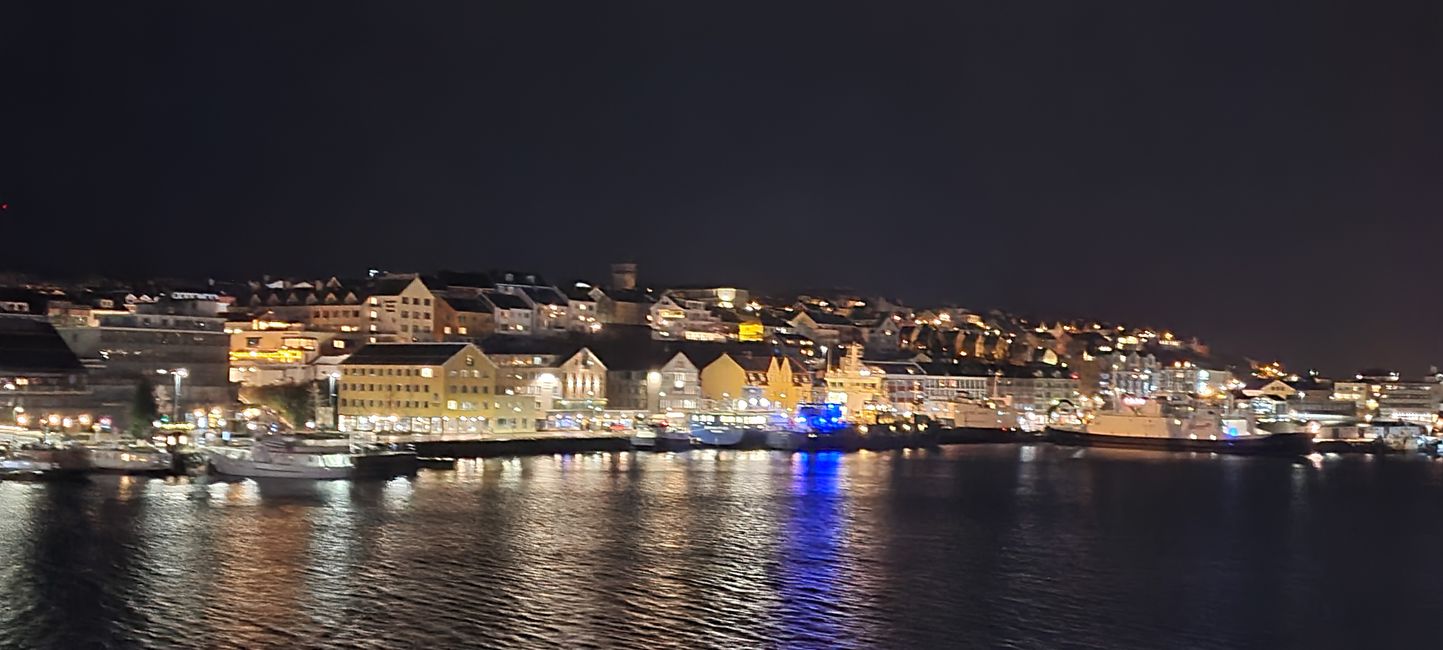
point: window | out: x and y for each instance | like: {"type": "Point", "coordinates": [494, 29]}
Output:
{"type": "Point", "coordinates": [461, 330]}
{"type": "Point", "coordinates": [253, 341]}
{"type": "Point", "coordinates": [447, 330]}
{"type": "Point", "coordinates": [450, 404]}
{"type": "Point", "coordinates": [338, 344]}
{"type": "Point", "coordinates": [426, 372]}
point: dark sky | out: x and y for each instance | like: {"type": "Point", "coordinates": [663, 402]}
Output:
{"type": "Point", "coordinates": [1268, 175]}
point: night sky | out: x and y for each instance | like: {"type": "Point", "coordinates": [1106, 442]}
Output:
{"type": "Point", "coordinates": [1264, 174]}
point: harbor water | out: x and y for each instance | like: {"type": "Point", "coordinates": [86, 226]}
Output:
{"type": "Point", "coordinates": [988, 546]}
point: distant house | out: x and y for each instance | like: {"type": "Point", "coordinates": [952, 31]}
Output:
{"type": "Point", "coordinates": [514, 313]}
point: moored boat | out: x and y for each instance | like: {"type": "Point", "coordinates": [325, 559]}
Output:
{"type": "Point", "coordinates": [134, 459]}
{"type": "Point", "coordinates": [1144, 425]}
{"type": "Point", "coordinates": [281, 457]}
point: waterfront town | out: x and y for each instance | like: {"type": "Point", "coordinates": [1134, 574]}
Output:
{"type": "Point", "coordinates": [477, 354]}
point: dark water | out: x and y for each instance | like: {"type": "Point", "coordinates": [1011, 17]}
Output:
{"type": "Point", "coordinates": [985, 547]}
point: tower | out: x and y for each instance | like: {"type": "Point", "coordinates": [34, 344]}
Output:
{"type": "Point", "coordinates": [623, 275]}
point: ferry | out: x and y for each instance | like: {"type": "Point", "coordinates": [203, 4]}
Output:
{"type": "Point", "coordinates": [1143, 424]}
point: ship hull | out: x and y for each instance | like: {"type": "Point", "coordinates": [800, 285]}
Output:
{"type": "Point", "coordinates": [1277, 444]}
{"type": "Point", "coordinates": [982, 435]}
{"type": "Point", "coordinates": [247, 468]}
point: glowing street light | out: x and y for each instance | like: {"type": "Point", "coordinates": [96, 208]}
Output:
{"type": "Point", "coordinates": [177, 374]}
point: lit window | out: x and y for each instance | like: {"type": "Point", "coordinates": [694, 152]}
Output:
{"type": "Point", "coordinates": [461, 330]}
{"type": "Point", "coordinates": [425, 372]}
{"type": "Point", "coordinates": [451, 404]}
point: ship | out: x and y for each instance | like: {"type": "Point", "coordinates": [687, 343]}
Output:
{"type": "Point", "coordinates": [1145, 424]}
{"type": "Point", "coordinates": [276, 456]}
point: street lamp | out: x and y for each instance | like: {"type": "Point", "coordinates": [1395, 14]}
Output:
{"type": "Point", "coordinates": [177, 374]}
{"type": "Point", "coordinates": [335, 410]}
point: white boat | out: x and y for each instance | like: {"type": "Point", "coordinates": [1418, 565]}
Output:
{"type": "Point", "coordinates": [281, 457]}
{"type": "Point", "coordinates": [136, 459]}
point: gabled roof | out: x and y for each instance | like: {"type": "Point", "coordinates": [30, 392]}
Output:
{"type": "Point", "coordinates": [404, 354]}
{"type": "Point", "coordinates": [32, 345]}
{"type": "Point", "coordinates": [544, 296]}
{"type": "Point", "coordinates": [575, 291]}
{"type": "Point", "coordinates": [469, 305]}
{"type": "Point", "coordinates": [507, 301]}
{"type": "Point", "coordinates": [824, 318]}
{"type": "Point", "coordinates": [389, 286]}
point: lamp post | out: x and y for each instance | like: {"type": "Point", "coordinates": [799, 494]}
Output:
{"type": "Point", "coordinates": [335, 406]}
{"type": "Point", "coordinates": [176, 374]}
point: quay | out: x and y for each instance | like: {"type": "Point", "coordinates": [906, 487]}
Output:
{"type": "Point", "coordinates": [534, 443]}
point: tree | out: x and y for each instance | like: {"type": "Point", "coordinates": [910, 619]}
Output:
{"type": "Point", "coordinates": [295, 403]}
{"type": "Point", "coordinates": [143, 410]}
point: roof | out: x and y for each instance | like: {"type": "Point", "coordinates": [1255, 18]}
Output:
{"type": "Point", "coordinates": [389, 286]}
{"type": "Point", "coordinates": [629, 295]}
{"type": "Point", "coordinates": [35, 301]}
{"type": "Point", "coordinates": [33, 345]}
{"type": "Point", "coordinates": [824, 318]}
{"type": "Point", "coordinates": [538, 345]}
{"type": "Point", "coordinates": [512, 276]}
{"type": "Point", "coordinates": [545, 296]}
{"type": "Point", "coordinates": [507, 301]}
{"type": "Point", "coordinates": [577, 291]}
{"type": "Point", "coordinates": [404, 354]}
{"type": "Point", "coordinates": [467, 304]}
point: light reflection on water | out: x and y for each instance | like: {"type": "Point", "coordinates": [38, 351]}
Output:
{"type": "Point", "coordinates": [966, 547]}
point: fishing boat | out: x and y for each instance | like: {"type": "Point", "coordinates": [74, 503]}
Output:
{"type": "Point", "coordinates": [1147, 424]}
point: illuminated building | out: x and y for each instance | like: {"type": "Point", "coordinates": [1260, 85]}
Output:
{"type": "Point", "coordinates": [164, 335]}
{"type": "Point", "coordinates": [827, 328]}
{"type": "Point", "coordinates": [1035, 387]}
{"type": "Point", "coordinates": [740, 377]}
{"type": "Point", "coordinates": [571, 380]}
{"type": "Point", "coordinates": [1390, 397]}
{"type": "Point", "coordinates": [428, 388]}
{"type": "Point", "coordinates": [39, 374]}
{"type": "Point", "coordinates": [582, 307]}
{"type": "Point", "coordinates": [269, 355]}
{"type": "Point", "coordinates": [855, 385]}
{"type": "Point", "coordinates": [515, 315]}
{"type": "Point", "coordinates": [401, 305]}
{"type": "Point", "coordinates": [464, 318]}
{"type": "Point", "coordinates": [913, 387]}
